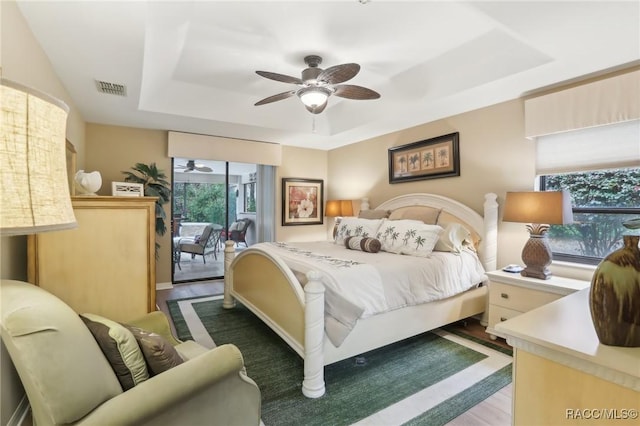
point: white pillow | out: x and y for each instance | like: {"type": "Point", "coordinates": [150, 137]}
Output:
{"type": "Point", "coordinates": [356, 227]}
{"type": "Point", "coordinates": [453, 238]}
{"type": "Point", "coordinates": [411, 237]}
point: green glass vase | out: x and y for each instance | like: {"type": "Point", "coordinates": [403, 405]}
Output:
{"type": "Point", "coordinates": [614, 298]}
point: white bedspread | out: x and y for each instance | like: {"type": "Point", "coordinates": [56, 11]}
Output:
{"type": "Point", "coordinates": [372, 283]}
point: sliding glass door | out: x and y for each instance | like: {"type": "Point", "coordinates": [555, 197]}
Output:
{"type": "Point", "coordinates": [212, 201]}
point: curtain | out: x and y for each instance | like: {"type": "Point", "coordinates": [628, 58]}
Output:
{"type": "Point", "coordinates": [266, 203]}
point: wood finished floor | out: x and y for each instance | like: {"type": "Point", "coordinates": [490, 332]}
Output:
{"type": "Point", "coordinates": [494, 411]}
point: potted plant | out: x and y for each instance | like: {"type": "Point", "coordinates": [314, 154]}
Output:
{"type": "Point", "coordinates": [155, 185]}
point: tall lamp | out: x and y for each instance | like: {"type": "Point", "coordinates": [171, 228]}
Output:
{"type": "Point", "coordinates": [34, 190]}
{"type": "Point", "coordinates": [338, 209]}
{"type": "Point", "coordinates": [538, 209]}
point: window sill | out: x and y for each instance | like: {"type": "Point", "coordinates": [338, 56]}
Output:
{"type": "Point", "coordinates": [579, 271]}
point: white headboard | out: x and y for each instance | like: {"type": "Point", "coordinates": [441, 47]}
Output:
{"type": "Point", "coordinates": [486, 226]}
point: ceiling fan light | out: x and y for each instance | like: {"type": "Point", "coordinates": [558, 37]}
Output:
{"type": "Point", "coordinates": [314, 96]}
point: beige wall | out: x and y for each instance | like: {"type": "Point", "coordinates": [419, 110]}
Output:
{"type": "Point", "coordinates": [300, 163]}
{"type": "Point", "coordinates": [494, 157]}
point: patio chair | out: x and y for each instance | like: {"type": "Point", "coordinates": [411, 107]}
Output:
{"type": "Point", "coordinates": [205, 244]}
{"type": "Point", "coordinates": [237, 231]}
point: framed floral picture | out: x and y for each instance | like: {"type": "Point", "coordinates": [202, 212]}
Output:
{"type": "Point", "coordinates": [428, 159]}
{"type": "Point", "coordinates": [302, 201]}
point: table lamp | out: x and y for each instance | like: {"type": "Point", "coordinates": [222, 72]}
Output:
{"type": "Point", "coordinates": [338, 209]}
{"type": "Point", "coordinates": [538, 209]}
{"type": "Point", "coordinates": [34, 189]}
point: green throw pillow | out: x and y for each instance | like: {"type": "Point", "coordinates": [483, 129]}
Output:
{"type": "Point", "coordinates": [120, 348]}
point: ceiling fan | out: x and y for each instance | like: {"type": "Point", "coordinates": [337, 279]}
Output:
{"type": "Point", "coordinates": [316, 85]}
{"type": "Point", "coordinates": [191, 166]}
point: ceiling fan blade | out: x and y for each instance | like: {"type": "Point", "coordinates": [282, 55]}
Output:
{"type": "Point", "coordinates": [204, 169]}
{"type": "Point", "coordinates": [278, 97]}
{"type": "Point", "coordinates": [350, 91]}
{"type": "Point", "coordinates": [316, 110]}
{"type": "Point", "coordinates": [339, 73]}
{"type": "Point", "coordinates": [279, 77]}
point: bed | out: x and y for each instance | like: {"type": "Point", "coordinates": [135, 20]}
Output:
{"type": "Point", "coordinates": [263, 282]}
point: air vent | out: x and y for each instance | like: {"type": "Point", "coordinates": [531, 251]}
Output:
{"type": "Point", "coordinates": [111, 88]}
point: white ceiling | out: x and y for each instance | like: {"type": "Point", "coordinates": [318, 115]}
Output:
{"type": "Point", "coordinates": [189, 66]}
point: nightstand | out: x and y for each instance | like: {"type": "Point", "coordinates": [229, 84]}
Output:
{"type": "Point", "coordinates": [511, 294]}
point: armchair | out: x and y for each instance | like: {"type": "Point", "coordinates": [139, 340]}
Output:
{"type": "Point", "coordinates": [206, 244]}
{"type": "Point", "coordinates": [237, 231]}
{"type": "Point", "coordinates": [68, 380]}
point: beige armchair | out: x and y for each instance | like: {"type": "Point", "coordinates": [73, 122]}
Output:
{"type": "Point", "coordinates": [68, 380]}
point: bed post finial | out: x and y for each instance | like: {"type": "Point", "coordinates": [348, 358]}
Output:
{"type": "Point", "coordinates": [229, 254]}
{"type": "Point", "coordinates": [364, 204]}
{"type": "Point", "coordinates": [313, 383]}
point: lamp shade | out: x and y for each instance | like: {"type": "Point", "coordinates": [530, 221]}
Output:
{"type": "Point", "coordinates": [314, 96]}
{"type": "Point", "coordinates": [338, 208]}
{"type": "Point", "coordinates": [34, 188]}
{"type": "Point", "coordinates": [547, 207]}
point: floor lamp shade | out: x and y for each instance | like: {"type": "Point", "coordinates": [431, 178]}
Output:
{"type": "Point", "coordinates": [538, 209]}
{"type": "Point", "coordinates": [33, 177]}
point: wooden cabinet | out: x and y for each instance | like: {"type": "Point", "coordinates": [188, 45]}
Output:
{"type": "Point", "coordinates": [512, 294]}
{"type": "Point", "coordinates": [106, 265]}
{"type": "Point", "coordinates": [563, 375]}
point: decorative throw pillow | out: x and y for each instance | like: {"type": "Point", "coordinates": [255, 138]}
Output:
{"type": "Point", "coordinates": [446, 218]}
{"type": "Point", "coordinates": [159, 354]}
{"type": "Point", "coordinates": [374, 214]}
{"type": "Point", "coordinates": [356, 227]}
{"type": "Point", "coordinates": [120, 348]}
{"type": "Point", "coordinates": [370, 245]}
{"type": "Point", "coordinates": [410, 237]}
{"type": "Point", "coordinates": [428, 215]}
{"type": "Point", "coordinates": [453, 238]}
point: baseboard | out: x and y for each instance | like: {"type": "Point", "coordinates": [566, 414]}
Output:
{"type": "Point", "coordinates": [164, 286]}
{"type": "Point", "coordinates": [22, 411]}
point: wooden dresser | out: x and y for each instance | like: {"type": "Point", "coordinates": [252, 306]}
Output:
{"type": "Point", "coordinates": [563, 375]}
{"type": "Point", "coordinates": [106, 265]}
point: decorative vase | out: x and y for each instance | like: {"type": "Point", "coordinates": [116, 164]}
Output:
{"type": "Point", "coordinates": [88, 183]}
{"type": "Point", "coordinates": [614, 298]}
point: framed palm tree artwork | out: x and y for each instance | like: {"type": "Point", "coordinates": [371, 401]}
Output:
{"type": "Point", "coordinates": [428, 159]}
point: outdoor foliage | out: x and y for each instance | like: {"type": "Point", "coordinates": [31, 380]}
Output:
{"type": "Point", "coordinates": [203, 202]}
{"type": "Point", "coordinates": [597, 230]}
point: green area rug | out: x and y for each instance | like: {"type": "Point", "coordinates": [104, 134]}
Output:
{"type": "Point", "coordinates": [354, 390]}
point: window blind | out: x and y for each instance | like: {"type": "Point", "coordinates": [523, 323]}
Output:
{"type": "Point", "coordinates": [594, 126]}
{"type": "Point", "coordinates": [597, 148]}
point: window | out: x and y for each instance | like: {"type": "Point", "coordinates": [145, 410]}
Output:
{"type": "Point", "coordinates": [250, 197]}
{"type": "Point", "coordinates": [602, 201]}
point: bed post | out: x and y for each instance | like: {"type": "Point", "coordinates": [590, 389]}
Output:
{"type": "Point", "coordinates": [313, 383]}
{"type": "Point", "coordinates": [229, 254]}
{"type": "Point", "coordinates": [490, 240]}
